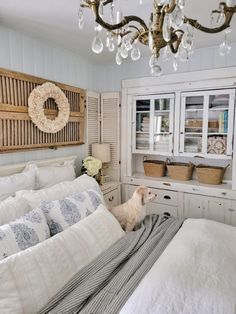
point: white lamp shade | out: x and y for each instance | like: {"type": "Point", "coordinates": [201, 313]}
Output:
{"type": "Point", "coordinates": [102, 152]}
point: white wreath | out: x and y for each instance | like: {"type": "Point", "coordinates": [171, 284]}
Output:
{"type": "Point", "coordinates": [36, 103]}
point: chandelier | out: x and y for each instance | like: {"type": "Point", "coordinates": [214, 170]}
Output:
{"type": "Point", "coordinates": [169, 30]}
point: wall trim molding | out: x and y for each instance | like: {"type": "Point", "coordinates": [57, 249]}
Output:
{"type": "Point", "coordinates": [183, 78]}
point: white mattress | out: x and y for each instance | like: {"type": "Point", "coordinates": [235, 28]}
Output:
{"type": "Point", "coordinates": [196, 274]}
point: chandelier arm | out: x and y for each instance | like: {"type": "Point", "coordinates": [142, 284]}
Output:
{"type": "Point", "coordinates": [107, 2]}
{"type": "Point", "coordinates": [134, 37]}
{"type": "Point", "coordinates": [126, 20]}
{"type": "Point", "coordinates": [198, 26]}
{"type": "Point", "coordinates": [169, 8]}
{"type": "Point", "coordinates": [174, 50]}
{"type": "Point", "coordinates": [228, 12]}
{"type": "Point", "coordinates": [135, 27]}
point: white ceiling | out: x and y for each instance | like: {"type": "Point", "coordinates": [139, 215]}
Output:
{"type": "Point", "coordinates": [56, 21]}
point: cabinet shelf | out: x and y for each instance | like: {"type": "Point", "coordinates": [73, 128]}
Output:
{"type": "Point", "coordinates": [194, 184]}
{"type": "Point", "coordinates": [194, 133]}
{"type": "Point", "coordinates": [194, 110]}
{"type": "Point", "coordinates": [214, 134]}
{"type": "Point", "coordinates": [161, 111]}
{"type": "Point", "coordinates": [218, 109]}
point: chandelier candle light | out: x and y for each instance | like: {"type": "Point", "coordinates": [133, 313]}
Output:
{"type": "Point", "coordinates": [168, 29]}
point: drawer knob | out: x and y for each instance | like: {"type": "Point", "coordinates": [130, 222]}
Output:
{"type": "Point", "coordinates": [111, 199]}
{"type": "Point", "coordinates": [167, 197]}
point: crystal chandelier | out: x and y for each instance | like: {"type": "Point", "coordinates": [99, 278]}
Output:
{"type": "Point", "coordinates": [168, 30]}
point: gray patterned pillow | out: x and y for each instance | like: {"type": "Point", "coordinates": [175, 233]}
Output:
{"type": "Point", "coordinates": [62, 214]}
{"type": "Point", "coordinates": [23, 233]}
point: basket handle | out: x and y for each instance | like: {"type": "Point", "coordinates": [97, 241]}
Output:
{"type": "Point", "coordinates": [227, 166]}
{"type": "Point", "coordinates": [144, 158]}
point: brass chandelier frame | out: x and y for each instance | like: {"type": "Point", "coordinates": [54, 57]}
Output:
{"type": "Point", "coordinates": [140, 31]}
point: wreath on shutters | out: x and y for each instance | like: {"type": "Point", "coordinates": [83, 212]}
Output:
{"type": "Point", "coordinates": [36, 103]}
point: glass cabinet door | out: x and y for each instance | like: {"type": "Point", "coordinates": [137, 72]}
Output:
{"type": "Point", "coordinates": [162, 123]}
{"type": "Point", "coordinates": [153, 125]}
{"type": "Point", "coordinates": [207, 123]}
{"type": "Point", "coordinates": [218, 124]}
{"type": "Point", "coordinates": [192, 120]}
{"type": "Point", "coordinates": [142, 124]}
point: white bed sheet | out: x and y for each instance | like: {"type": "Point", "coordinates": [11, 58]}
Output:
{"type": "Point", "coordinates": [196, 274]}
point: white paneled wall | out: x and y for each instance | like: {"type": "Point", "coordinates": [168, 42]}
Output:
{"type": "Point", "coordinates": [22, 53]}
{"type": "Point", "coordinates": [202, 59]}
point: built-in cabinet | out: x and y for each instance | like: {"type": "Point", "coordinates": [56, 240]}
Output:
{"type": "Point", "coordinates": [205, 124]}
{"type": "Point", "coordinates": [187, 205]}
{"type": "Point", "coordinates": [207, 207]}
{"type": "Point", "coordinates": [188, 117]}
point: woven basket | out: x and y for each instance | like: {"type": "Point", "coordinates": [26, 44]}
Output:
{"type": "Point", "coordinates": [154, 168]}
{"type": "Point", "coordinates": [180, 171]}
{"type": "Point", "coordinates": [210, 174]}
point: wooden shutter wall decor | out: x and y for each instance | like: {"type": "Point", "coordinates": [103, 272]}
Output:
{"type": "Point", "coordinates": [93, 120]}
{"type": "Point", "coordinates": [17, 132]}
{"type": "Point", "coordinates": [110, 130]}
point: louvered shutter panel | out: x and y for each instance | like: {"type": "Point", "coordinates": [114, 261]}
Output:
{"type": "Point", "coordinates": [92, 118]}
{"type": "Point", "coordinates": [110, 131]}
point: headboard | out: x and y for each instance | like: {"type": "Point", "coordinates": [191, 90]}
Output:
{"type": "Point", "coordinates": [7, 170]}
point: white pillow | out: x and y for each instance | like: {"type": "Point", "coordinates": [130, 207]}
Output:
{"type": "Point", "coordinates": [61, 214]}
{"type": "Point", "coordinates": [13, 208]}
{"type": "Point", "coordinates": [58, 191]}
{"type": "Point", "coordinates": [51, 175]}
{"type": "Point", "coordinates": [32, 277]}
{"type": "Point", "coordinates": [23, 233]}
{"type": "Point", "coordinates": [25, 180]}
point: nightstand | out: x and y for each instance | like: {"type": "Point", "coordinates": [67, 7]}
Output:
{"type": "Point", "coordinates": [112, 193]}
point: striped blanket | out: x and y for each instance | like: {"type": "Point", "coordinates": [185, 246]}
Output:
{"type": "Point", "coordinates": [106, 283]}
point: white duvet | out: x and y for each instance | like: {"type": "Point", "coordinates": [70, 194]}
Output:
{"type": "Point", "coordinates": [195, 274]}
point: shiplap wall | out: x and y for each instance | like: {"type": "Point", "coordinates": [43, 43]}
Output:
{"type": "Point", "coordinates": [22, 53]}
{"type": "Point", "coordinates": [111, 75]}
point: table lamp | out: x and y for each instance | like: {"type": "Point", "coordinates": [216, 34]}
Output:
{"type": "Point", "coordinates": [103, 152]}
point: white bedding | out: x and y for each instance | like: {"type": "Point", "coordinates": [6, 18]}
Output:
{"type": "Point", "coordinates": [30, 278]}
{"type": "Point", "coordinates": [196, 274]}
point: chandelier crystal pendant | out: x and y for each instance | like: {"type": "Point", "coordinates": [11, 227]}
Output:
{"type": "Point", "coordinates": [168, 30]}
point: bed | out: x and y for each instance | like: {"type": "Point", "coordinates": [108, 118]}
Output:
{"type": "Point", "coordinates": [92, 266]}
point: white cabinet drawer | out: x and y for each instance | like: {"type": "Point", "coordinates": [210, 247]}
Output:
{"type": "Point", "coordinates": [155, 208]}
{"type": "Point", "coordinates": [162, 196]}
{"type": "Point", "coordinates": [233, 205]}
{"type": "Point", "coordinates": [193, 206]}
{"type": "Point", "coordinates": [165, 197]}
{"type": "Point", "coordinates": [112, 198]}
{"type": "Point", "coordinates": [232, 213]}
